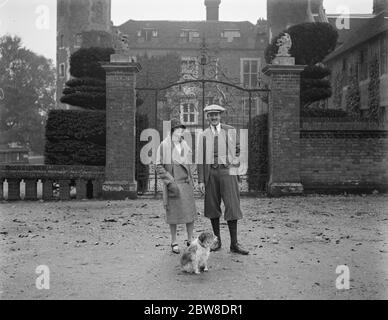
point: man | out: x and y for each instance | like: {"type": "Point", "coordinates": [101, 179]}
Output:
{"type": "Point", "coordinates": [217, 178]}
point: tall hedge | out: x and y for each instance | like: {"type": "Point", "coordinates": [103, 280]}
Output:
{"type": "Point", "coordinates": [258, 153]}
{"type": "Point", "coordinates": [75, 137]}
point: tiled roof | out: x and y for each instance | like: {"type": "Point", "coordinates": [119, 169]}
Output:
{"type": "Point", "coordinates": [369, 29]}
{"type": "Point", "coordinates": [169, 33]}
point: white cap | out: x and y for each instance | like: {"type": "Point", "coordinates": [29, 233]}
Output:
{"type": "Point", "coordinates": [214, 108]}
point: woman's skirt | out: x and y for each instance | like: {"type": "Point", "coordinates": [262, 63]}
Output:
{"type": "Point", "coordinates": [182, 209]}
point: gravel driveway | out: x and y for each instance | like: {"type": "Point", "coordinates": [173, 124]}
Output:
{"type": "Point", "coordinates": [121, 250]}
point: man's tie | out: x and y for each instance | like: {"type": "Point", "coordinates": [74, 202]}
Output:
{"type": "Point", "coordinates": [215, 148]}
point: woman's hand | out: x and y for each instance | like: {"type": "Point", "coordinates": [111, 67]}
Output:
{"type": "Point", "coordinates": [173, 190]}
{"type": "Point", "coordinates": [202, 187]}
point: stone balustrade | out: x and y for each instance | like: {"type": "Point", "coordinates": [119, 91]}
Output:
{"type": "Point", "coordinates": [53, 182]}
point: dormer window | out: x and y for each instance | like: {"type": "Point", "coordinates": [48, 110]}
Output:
{"type": "Point", "coordinates": [147, 34]}
{"type": "Point", "coordinates": [230, 35]}
{"type": "Point", "coordinates": [189, 35]}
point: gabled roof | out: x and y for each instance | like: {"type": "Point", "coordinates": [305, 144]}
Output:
{"type": "Point", "coordinates": [169, 34]}
{"type": "Point", "coordinates": [365, 32]}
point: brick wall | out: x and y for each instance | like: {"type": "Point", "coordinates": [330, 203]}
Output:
{"type": "Point", "coordinates": [343, 156]}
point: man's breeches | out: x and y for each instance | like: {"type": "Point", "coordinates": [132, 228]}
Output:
{"type": "Point", "coordinates": [223, 186]}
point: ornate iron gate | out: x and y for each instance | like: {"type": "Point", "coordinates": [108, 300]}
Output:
{"type": "Point", "coordinates": [187, 98]}
{"type": "Point", "coordinates": [242, 104]}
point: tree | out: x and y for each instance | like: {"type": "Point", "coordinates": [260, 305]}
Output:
{"type": "Point", "coordinates": [87, 89]}
{"type": "Point", "coordinates": [311, 43]}
{"type": "Point", "coordinates": [28, 83]}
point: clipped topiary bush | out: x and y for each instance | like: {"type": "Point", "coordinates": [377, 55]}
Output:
{"type": "Point", "coordinates": [88, 89]}
{"type": "Point", "coordinates": [92, 100]}
{"type": "Point", "coordinates": [75, 137]}
{"type": "Point", "coordinates": [86, 62]}
{"type": "Point", "coordinates": [87, 81]}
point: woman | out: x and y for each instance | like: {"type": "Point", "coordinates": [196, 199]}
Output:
{"type": "Point", "coordinates": [173, 167]}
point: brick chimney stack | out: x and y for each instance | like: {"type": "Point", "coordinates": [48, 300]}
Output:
{"type": "Point", "coordinates": [212, 10]}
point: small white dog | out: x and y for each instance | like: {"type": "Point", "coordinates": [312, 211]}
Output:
{"type": "Point", "coordinates": [194, 258]}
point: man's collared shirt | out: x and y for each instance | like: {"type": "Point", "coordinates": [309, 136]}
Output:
{"type": "Point", "coordinates": [218, 127]}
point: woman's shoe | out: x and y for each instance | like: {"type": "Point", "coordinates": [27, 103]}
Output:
{"type": "Point", "coordinates": [175, 248]}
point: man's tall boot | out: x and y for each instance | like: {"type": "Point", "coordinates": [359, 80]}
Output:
{"type": "Point", "coordinates": [234, 246]}
{"type": "Point", "coordinates": [216, 230]}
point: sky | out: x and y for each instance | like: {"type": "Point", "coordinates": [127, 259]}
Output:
{"type": "Point", "coordinates": [35, 20]}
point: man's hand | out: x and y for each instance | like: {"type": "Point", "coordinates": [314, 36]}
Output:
{"type": "Point", "coordinates": [202, 187]}
{"type": "Point", "coordinates": [236, 162]}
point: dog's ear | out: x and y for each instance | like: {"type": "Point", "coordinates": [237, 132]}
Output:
{"type": "Point", "coordinates": [202, 237]}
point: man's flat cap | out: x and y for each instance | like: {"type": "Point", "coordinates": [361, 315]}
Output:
{"type": "Point", "coordinates": [214, 108]}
